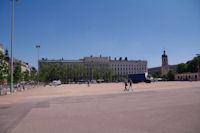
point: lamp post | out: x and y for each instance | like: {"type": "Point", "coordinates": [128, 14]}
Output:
{"type": "Point", "coordinates": [198, 77]}
{"type": "Point", "coordinates": [11, 63]}
{"type": "Point", "coordinates": [198, 62]}
{"type": "Point", "coordinates": [38, 46]}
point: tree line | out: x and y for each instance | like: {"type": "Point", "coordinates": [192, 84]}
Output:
{"type": "Point", "coordinates": [190, 66]}
{"type": "Point", "coordinates": [18, 75]}
{"type": "Point", "coordinates": [50, 72]}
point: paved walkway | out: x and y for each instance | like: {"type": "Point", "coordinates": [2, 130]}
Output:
{"type": "Point", "coordinates": [170, 110]}
{"type": "Point", "coordinates": [83, 89]}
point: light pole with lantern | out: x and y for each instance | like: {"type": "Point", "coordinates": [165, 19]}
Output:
{"type": "Point", "coordinates": [11, 63]}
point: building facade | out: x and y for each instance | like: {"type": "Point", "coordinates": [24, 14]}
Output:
{"type": "Point", "coordinates": [120, 67]}
{"type": "Point", "coordinates": [157, 70]}
{"type": "Point", "coordinates": [24, 66]}
{"type": "Point", "coordinates": [1, 48]}
{"type": "Point", "coordinates": [95, 62]}
{"type": "Point", "coordinates": [125, 67]}
{"type": "Point", "coordinates": [164, 69]}
{"type": "Point", "coordinates": [187, 77]}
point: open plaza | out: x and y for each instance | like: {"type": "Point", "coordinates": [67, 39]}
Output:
{"type": "Point", "coordinates": [83, 89]}
{"type": "Point", "coordinates": [157, 107]}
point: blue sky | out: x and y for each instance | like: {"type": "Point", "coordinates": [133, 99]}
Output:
{"type": "Point", "coordinates": [72, 29]}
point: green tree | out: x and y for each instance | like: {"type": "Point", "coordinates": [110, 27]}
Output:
{"type": "Point", "coordinates": [33, 74]}
{"type": "Point", "coordinates": [193, 64]}
{"type": "Point", "coordinates": [17, 75]}
{"type": "Point", "coordinates": [84, 72]}
{"type": "Point", "coordinates": [43, 73]}
{"type": "Point", "coordinates": [109, 74]}
{"type": "Point", "coordinates": [171, 75]}
{"type": "Point", "coordinates": [190, 66]}
{"type": "Point", "coordinates": [97, 73]}
{"type": "Point", "coordinates": [26, 75]}
{"type": "Point", "coordinates": [181, 68]}
{"type": "Point", "coordinates": [164, 76]}
{"type": "Point", "coordinates": [156, 75]}
{"type": "Point", "coordinates": [3, 68]}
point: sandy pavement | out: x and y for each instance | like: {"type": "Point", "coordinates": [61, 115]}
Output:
{"type": "Point", "coordinates": [83, 89]}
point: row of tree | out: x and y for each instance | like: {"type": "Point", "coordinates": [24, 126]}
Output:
{"type": "Point", "coordinates": [4, 71]}
{"type": "Point", "coordinates": [50, 72]}
{"type": "Point", "coordinates": [190, 66]}
{"type": "Point", "coordinates": [18, 75]}
{"type": "Point", "coordinates": [169, 76]}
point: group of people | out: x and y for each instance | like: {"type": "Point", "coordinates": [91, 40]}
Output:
{"type": "Point", "coordinates": [130, 85]}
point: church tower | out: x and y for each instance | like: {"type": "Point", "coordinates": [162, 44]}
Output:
{"type": "Point", "coordinates": [165, 67]}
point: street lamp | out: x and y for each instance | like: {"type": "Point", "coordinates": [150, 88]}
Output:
{"type": "Point", "coordinates": [11, 64]}
{"type": "Point", "coordinates": [38, 46]}
{"type": "Point", "coordinates": [198, 63]}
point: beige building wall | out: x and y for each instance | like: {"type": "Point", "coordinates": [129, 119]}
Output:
{"type": "Point", "coordinates": [61, 62]}
{"type": "Point", "coordinates": [125, 67]}
{"type": "Point", "coordinates": [120, 67]}
{"type": "Point", "coordinates": [25, 67]}
{"type": "Point", "coordinates": [1, 48]}
{"type": "Point", "coordinates": [94, 62]}
{"type": "Point", "coordinates": [165, 66]}
{"type": "Point", "coordinates": [187, 76]}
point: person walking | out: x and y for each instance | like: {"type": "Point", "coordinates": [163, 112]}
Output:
{"type": "Point", "coordinates": [130, 85]}
{"type": "Point", "coordinates": [125, 84]}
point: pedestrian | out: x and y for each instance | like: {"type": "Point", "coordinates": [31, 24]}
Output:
{"type": "Point", "coordinates": [130, 85]}
{"type": "Point", "coordinates": [125, 84]}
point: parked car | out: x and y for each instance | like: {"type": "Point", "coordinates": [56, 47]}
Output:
{"type": "Point", "coordinates": [100, 80]}
{"type": "Point", "coordinates": [82, 81]}
{"type": "Point", "coordinates": [93, 81]}
{"type": "Point", "coordinates": [55, 82]}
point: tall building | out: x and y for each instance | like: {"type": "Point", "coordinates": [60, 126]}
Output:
{"type": "Point", "coordinates": [120, 67]}
{"type": "Point", "coordinates": [165, 67]}
{"type": "Point", "coordinates": [95, 62]}
{"type": "Point", "coordinates": [125, 67]}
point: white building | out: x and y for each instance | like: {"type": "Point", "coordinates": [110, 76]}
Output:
{"type": "Point", "coordinates": [125, 67]}
{"type": "Point", "coordinates": [24, 66]}
{"type": "Point", "coordinates": [120, 67]}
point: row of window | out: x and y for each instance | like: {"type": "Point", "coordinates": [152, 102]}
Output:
{"type": "Point", "coordinates": [126, 73]}
{"type": "Point", "coordinates": [117, 65]}
{"type": "Point", "coordinates": [187, 77]}
{"type": "Point", "coordinates": [115, 69]}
